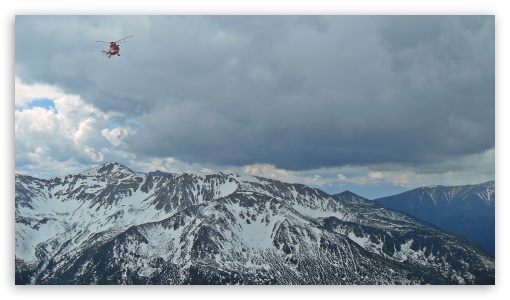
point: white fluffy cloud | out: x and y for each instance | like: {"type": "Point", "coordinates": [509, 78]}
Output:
{"type": "Point", "coordinates": [27, 93]}
{"type": "Point", "coordinates": [116, 135]}
{"type": "Point", "coordinates": [67, 133]}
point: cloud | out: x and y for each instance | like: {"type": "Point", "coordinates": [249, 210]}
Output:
{"type": "Point", "coordinates": [321, 92]}
{"type": "Point", "coordinates": [297, 93]}
{"type": "Point", "coordinates": [74, 136]}
{"type": "Point", "coordinates": [116, 135]}
{"type": "Point", "coordinates": [64, 135]}
{"type": "Point", "coordinates": [265, 170]}
{"type": "Point", "coordinates": [25, 94]}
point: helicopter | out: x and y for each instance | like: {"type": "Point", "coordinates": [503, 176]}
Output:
{"type": "Point", "coordinates": [114, 47]}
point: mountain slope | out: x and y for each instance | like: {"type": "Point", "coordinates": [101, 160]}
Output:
{"type": "Point", "coordinates": [467, 210]}
{"type": "Point", "coordinates": [111, 225]}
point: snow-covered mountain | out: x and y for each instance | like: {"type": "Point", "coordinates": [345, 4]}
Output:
{"type": "Point", "coordinates": [112, 225]}
{"type": "Point", "coordinates": [468, 210]}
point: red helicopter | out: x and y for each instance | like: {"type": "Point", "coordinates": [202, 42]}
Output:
{"type": "Point", "coordinates": [114, 47]}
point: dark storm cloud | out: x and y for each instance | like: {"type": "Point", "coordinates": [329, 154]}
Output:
{"type": "Point", "coordinates": [298, 92]}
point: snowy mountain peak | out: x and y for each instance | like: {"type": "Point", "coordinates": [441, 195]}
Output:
{"type": "Point", "coordinates": [111, 225]}
{"type": "Point", "coordinates": [489, 184]}
{"type": "Point", "coordinates": [112, 167]}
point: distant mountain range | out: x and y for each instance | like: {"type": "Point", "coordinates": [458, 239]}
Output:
{"type": "Point", "coordinates": [468, 210]}
{"type": "Point", "coordinates": [112, 225]}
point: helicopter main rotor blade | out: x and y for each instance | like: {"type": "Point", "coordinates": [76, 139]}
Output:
{"type": "Point", "coordinates": [109, 42]}
{"type": "Point", "coordinates": [123, 39]}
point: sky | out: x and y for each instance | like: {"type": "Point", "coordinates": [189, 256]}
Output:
{"type": "Point", "coordinates": [373, 104]}
{"type": "Point", "coordinates": [64, 118]}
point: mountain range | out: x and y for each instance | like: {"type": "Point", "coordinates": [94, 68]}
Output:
{"type": "Point", "coordinates": [468, 210]}
{"type": "Point", "coordinates": [113, 225]}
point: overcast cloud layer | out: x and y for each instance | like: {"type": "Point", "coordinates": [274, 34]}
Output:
{"type": "Point", "coordinates": [339, 97]}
